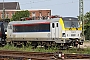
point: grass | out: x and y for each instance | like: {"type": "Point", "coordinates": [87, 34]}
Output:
{"type": "Point", "coordinates": [77, 51]}
{"type": "Point", "coordinates": [11, 47]}
{"type": "Point", "coordinates": [29, 49]}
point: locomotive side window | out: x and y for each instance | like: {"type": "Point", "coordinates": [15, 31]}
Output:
{"type": "Point", "coordinates": [32, 28]}
{"type": "Point", "coordinates": [52, 25]}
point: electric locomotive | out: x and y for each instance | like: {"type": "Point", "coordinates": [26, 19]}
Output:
{"type": "Point", "coordinates": [62, 32]}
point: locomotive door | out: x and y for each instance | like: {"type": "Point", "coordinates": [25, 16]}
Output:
{"type": "Point", "coordinates": [54, 30]}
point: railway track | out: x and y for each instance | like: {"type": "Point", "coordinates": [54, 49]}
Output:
{"type": "Point", "coordinates": [27, 55]}
{"type": "Point", "coordinates": [77, 56]}
{"type": "Point", "coordinates": [20, 55]}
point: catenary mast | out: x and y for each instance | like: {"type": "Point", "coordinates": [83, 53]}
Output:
{"type": "Point", "coordinates": [81, 15]}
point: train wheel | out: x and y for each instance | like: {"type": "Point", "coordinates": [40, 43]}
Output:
{"type": "Point", "coordinates": [15, 44]}
{"type": "Point", "coordinates": [62, 46]}
{"type": "Point", "coordinates": [34, 45]}
{"type": "Point", "coordinates": [45, 46]}
{"type": "Point", "coordinates": [25, 43]}
{"type": "Point", "coordinates": [9, 43]}
{"type": "Point", "coordinates": [2, 42]}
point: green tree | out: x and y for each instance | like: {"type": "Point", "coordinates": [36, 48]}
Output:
{"type": "Point", "coordinates": [20, 14]}
{"type": "Point", "coordinates": [87, 25]}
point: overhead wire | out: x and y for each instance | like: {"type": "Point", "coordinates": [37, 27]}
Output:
{"type": "Point", "coordinates": [31, 2]}
{"type": "Point", "coordinates": [64, 3]}
{"type": "Point", "coordinates": [59, 4]}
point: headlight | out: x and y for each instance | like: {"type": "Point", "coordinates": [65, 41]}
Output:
{"type": "Point", "coordinates": [63, 35]}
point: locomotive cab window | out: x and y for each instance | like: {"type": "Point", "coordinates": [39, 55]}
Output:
{"type": "Point", "coordinates": [71, 22]}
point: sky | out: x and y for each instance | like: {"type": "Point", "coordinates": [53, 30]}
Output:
{"type": "Point", "coordinates": [58, 7]}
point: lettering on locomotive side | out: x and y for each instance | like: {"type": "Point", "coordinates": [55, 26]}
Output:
{"type": "Point", "coordinates": [73, 31]}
